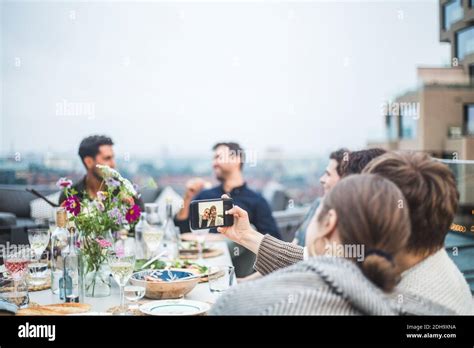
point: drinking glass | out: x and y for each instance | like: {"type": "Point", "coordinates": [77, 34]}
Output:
{"type": "Point", "coordinates": [15, 291]}
{"type": "Point", "coordinates": [122, 269]}
{"type": "Point", "coordinates": [39, 240]}
{"type": "Point", "coordinates": [220, 278]}
{"type": "Point", "coordinates": [16, 263]}
{"type": "Point", "coordinates": [200, 238]}
{"type": "Point", "coordinates": [17, 260]}
{"type": "Point", "coordinates": [134, 294]}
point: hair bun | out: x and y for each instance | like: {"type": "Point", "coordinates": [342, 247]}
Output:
{"type": "Point", "coordinates": [380, 271]}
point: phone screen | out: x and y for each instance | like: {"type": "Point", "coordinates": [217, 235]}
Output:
{"type": "Point", "coordinates": [210, 214]}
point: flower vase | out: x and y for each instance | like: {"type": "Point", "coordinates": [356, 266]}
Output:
{"type": "Point", "coordinates": [97, 282]}
{"type": "Point", "coordinates": [95, 269]}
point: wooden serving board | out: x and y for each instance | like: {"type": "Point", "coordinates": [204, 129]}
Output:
{"type": "Point", "coordinates": [206, 254]}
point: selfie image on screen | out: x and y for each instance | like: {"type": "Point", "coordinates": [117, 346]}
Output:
{"type": "Point", "coordinates": [211, 214]}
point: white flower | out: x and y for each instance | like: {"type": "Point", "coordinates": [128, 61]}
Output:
{"type": "Point", "coordinates": [108, 172]}
{"type": "Point", "coordinates": [128, 186]}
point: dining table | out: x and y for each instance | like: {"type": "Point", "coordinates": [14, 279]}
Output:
{"type": "Point", "coordinates": [103, 305]}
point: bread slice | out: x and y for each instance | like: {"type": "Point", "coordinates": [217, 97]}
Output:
{"type": "Point", "coordinates": [56, 309]}
{"type": "Point", "coordinates": [36, 311]}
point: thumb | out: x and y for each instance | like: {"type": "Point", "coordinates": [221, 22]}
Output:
{"type": "Point", "coordinates": [237, 211]}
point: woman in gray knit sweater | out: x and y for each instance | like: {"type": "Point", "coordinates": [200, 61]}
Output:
{"type": "Point", "coordinates": [362, 224]}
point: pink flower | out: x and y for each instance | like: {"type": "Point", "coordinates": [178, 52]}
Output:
{"type": "Point", "coordinates": [63, 183]}
{"type": "Point", "coordinates": [73, 205]}
{"type": "Point", "coordinates": [133, 213]}
{"type": "Point", "coordinates": [103, 243]}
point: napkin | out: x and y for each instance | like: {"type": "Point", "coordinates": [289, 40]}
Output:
{"type": "Point", "coordinates": [8, 306]}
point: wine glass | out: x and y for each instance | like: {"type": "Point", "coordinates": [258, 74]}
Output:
{"type": "Point", "coordinates": [39, 240]}
{"type": "Point", "coordinates": [134, 294]}
{"type": "Point", "coordinates": [16, 263]}
{"type": "Point", "coordinates": [122, 269]}
{"type": "Point", "coordinates": [200, 238]}
{"type": "Point", "coordinates": [17, 260]}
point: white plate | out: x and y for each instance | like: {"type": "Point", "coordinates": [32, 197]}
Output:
{"type": "Point", "coordinates": [174, 307]}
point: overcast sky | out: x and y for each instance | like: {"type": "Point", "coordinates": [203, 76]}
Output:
{"type": "Point", "coordinates": [305, 77]}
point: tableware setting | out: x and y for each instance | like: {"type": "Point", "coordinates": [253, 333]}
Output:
{"type": "Point", "coordinates": [175, 308]}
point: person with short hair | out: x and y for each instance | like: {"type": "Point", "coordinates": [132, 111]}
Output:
{"type": "Point", "coordinates": [228, 166]}
{"type": "Point", "coordinates": [94, 150]}
{"type": "Point", "coordinates": [429, 187]}
{"type": "Point", "coordinates": [342, 162]}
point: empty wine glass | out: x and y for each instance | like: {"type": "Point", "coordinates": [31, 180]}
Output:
{"type": "Point", "coordinates": [122, 267]}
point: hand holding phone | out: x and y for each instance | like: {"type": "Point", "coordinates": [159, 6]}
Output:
{"type": "Point", "coordinates": [241, 231]}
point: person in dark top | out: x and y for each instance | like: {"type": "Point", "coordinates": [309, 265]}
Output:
{"type": "Point", "coordinates": [227, 164]}
{"type": "Point", "coordinates": [93, 150]}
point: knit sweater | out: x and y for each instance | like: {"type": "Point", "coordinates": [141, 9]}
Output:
{"type": "Point", "coordinates": [436, 279]}
{"type": "Point", "coordinates": [274, 254]}
{"type": "Point", "coordinates": [322, 285]}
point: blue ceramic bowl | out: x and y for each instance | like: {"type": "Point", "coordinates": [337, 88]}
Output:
{"type": "Point", "coordinates": [172, 284]}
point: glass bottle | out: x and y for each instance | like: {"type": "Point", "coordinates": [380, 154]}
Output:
{"type": "Point", "coordinates": [70, 285]}
{"type": "Point", "coordinates": [59, 248]}
{"type": "Point", "coordinates": [171, 237]}
{"type": "Point", "coordinates": [140, 247]}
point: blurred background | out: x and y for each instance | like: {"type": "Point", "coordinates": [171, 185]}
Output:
{"type": "Point", "coordinates": [290, 81]}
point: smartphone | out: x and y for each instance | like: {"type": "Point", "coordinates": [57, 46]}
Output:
{"type": "Point", "coordinates": [210, 213]}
